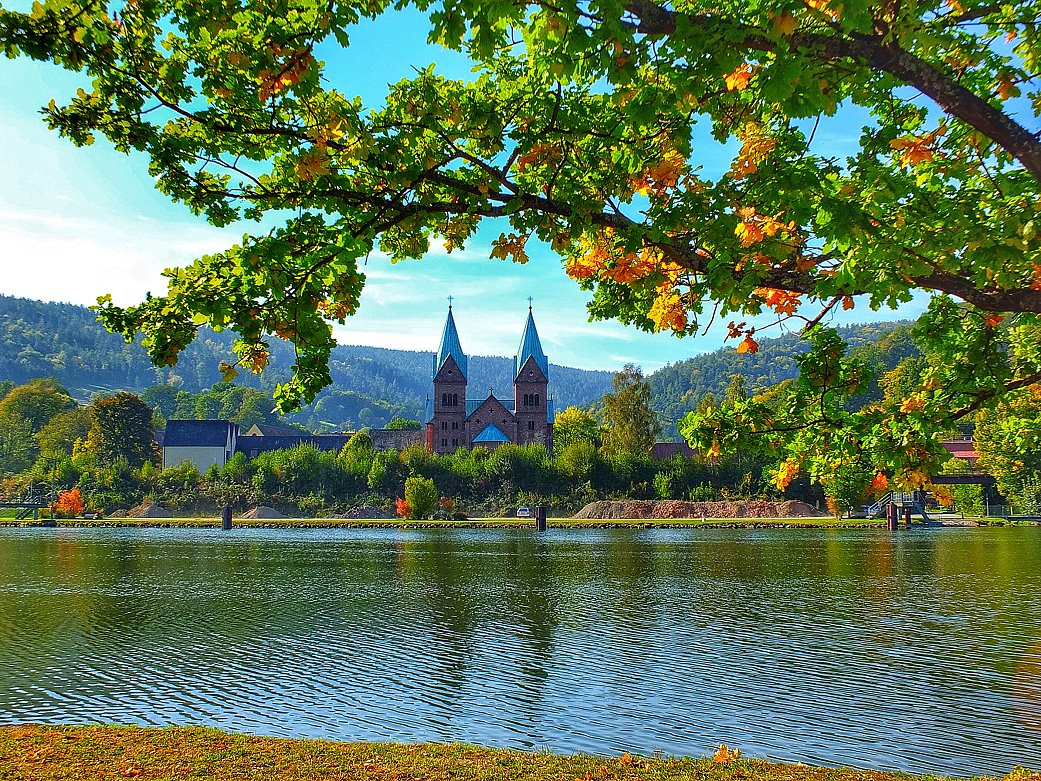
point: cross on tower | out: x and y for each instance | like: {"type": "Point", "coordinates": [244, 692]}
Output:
{"type": "Point", "coordinates": [450, 299]}
{"type": "Point", "coordinates": [530, 299]}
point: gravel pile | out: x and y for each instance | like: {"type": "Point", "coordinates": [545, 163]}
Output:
{"type": "Point", "coordinates": [646, 509]}
{"type": "Point", "coordinates": [148, 509]}
{"type": "Point", "coordinates": [263, 513]}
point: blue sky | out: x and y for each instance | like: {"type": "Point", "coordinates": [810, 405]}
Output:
{"type": "Point", "coordinates": [77, 223]}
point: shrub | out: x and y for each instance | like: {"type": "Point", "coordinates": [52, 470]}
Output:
{"type": "Point", "coordinates": [421, 497]}
{"type": "Point", "coordinates": [69, 504]}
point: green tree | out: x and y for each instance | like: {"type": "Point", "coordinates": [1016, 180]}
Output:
{"type": "Point", "coordinates": [573, 425]}
{"type": "Point", "coordinates": [630, 424]}
{"type": "Point", "coordinates": [403, 424]}
{"type": "Point", "coordinates": [421, 497]}
{"type": "Point", "coordinates": [121, 428]}
{"type": "Point", "coordinates": [1008, 440]}
{"type": "Point", "coordinates": [63, 430]}
{"type": "Point", "coordinates": [35, 403]}
{"type": "Point", "coordinates": [579, 129]}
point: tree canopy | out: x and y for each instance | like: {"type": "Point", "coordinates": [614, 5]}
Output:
{"type": "Point", "coordinates": [596, 128]}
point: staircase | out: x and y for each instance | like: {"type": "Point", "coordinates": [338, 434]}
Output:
{"type": "Point", "coordinates": [902, 500]}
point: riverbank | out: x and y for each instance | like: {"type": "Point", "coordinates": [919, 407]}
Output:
{"type": "Point", "coordinates": [508, 523]}
{"type": "Point", "coordinates": [46, 753]}
{"type": "Point", "coordinates": [470, 523]}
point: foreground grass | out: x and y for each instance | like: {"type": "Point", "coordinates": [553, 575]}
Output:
{"type": "Point", "coordinates": [474, 523]}
{"type": "Point", "coordinates": [47, 753]}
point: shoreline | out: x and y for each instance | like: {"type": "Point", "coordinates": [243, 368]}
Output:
{"type": "Point", "coordinates": [45, 752]}
{"type": "Point", "coordinates": [209, 522]}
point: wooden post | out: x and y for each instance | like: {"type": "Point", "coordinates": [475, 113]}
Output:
{"type": "Point", "coordinates": [225, 517]}
{"type": "Point", "coordinates": [540, 517]}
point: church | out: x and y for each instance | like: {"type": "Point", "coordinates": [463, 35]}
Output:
{"type": "Point", "coordinates": [454, 421]}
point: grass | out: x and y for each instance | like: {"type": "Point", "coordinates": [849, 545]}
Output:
{"type": "Point", "coordinates": [46, 753]}
{"type": "Point", "coordinates": [520, 523]}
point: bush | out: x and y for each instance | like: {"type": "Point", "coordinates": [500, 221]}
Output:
{"type": "Point", "coordinates": [421, 497]}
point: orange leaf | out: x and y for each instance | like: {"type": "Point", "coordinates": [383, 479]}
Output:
{"type": "Point", "coordinates": [847, 302]}
{"type": "Point", "coordinates": [748, 345]}
{"type": "Point", "coordinates": [738, 80]}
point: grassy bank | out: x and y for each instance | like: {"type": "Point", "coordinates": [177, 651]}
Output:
{"type": "Point", "coordinates": [93, 753]}
{"type": "Point", "coordinates": [472, 523]}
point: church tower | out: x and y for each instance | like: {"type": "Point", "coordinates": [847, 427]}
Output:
{"type": "Point", "coordinates": [530, 384]}
{"type": "Point", "coordinates": [445, 429]}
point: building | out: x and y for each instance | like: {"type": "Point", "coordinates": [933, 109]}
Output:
{"type": "Point", "coordinates": [454, 421]}
{"type": "Point", "coordinates": [202, 442]}
{"type": "Point", "coordinates": [208, 442]}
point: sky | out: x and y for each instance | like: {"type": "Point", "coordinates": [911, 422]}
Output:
{"type": "Point", "coordinates": [76, 223]}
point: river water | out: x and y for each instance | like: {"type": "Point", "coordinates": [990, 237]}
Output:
{"type": "Point", "coordinates": [919, 650]}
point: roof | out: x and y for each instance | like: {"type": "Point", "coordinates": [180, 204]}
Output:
{"type": "Point", "coordinates": [961, 448]}
{"type": "Point", "coordinates": [450, 346]}
{"type": "Point", "coordinates": [491, 433]}
{"type": "Point", "coordinates": [530, 347]}
{"type": "Point", "coordinates": [266, 430]}
{"type": "Point", "coordinates": [197, 433]}
{"type": "Point", "coordinates": [319, 441]}
{"type": "Point", "coordinates": [473, 404]}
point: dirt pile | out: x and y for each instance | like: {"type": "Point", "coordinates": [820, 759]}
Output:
{"type": "Point", "coordinates": [365, 512]}
{"type": "Point", "coordinates": [149, 509]}
{"type": "Point", "coordinates": [263, 514]}
{"type": "Point", "coordinates": [646, 509]}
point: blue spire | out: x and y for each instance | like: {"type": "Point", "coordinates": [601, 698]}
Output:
{"type": "Point", "coordinates": [530, 347]}
{"type": "Point", "coordinates": [450, 346]}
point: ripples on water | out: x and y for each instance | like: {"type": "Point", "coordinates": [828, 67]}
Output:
{"type": "Point", "coordinates": [920, 651]}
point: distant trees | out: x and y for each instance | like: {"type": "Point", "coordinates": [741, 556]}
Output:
{"type": "Point", "coordinates": [403, 424]}
{"type": "Point", "coordinates": [631, 423]}
{"type": "Point", "coordinates": [121, 428]}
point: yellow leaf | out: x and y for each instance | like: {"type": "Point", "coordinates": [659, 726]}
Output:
{"type": "Point", "coordinates": [785, 24]}
{"type": "Point", "coordinates": [738, 80]}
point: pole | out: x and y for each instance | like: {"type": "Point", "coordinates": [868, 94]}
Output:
{"type": "Point", "coordinates": [225, 517]}
{"type": "Point", "coordinates": [540, 517]}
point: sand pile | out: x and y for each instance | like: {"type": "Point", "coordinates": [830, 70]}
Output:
{"type": "Point", "coordinates": [646, 509]}
{"type": "Point", "coordinates": [263, 513]}
{"type": "Point", "coordinates": [148, 509]}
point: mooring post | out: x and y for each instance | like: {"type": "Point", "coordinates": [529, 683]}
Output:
{"type": "Point", "coordinates": [540, 517]}
{"type": "Point", "coordinates": [891, 517]}
{"type": "Point", "coordinates": [225, 517]}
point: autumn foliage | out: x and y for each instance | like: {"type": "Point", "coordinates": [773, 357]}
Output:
{"type": "Point", "coordinates": [69, 504]}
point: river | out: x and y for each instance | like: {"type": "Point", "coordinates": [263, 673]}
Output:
{"type": "Point", "coordinates": [918, 651]}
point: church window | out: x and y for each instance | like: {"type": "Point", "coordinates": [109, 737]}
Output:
{"type": "Point", "coordinates": [444, 424]}
{"type": "Point", "coordinates": [444, 399]}
{"type": "Point", "coordinates": [455, 442]}
{"type": "Point", "coordinates": [444, 441]}
{"type": "Point", "coordinates": [455, 425]}
{"type": "Point", "coordinates": [536, 399]}
{"type": "Point", "coordinates": [531, 425]}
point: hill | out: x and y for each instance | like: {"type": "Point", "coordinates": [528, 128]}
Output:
{"type": "Point", "coordinates": [677, 388]}
{"type": "Point", "coordinates": [371, 385]}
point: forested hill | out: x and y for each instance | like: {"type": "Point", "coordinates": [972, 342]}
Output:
{"type": "Point", "coordinates": [676, 389]}
{"type": "Point", "coordinates": [370, 384]}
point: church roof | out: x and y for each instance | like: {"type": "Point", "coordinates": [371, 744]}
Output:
{"type": "Point", "coordinates": [450, 346]}
{"type": "Point", "coordinates": [491, 433]}
{"type": "Point", "coordinates": [530, 347]}
{"type": "Point", "coordinates": [473, 404]}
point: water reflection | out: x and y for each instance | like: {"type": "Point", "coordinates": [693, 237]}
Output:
{"type": "Point", "coordinates": [919, 651]}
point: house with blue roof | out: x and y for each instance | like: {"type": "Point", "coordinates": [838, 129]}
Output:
{"type": "Point", "coordinates": [454, 421]}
